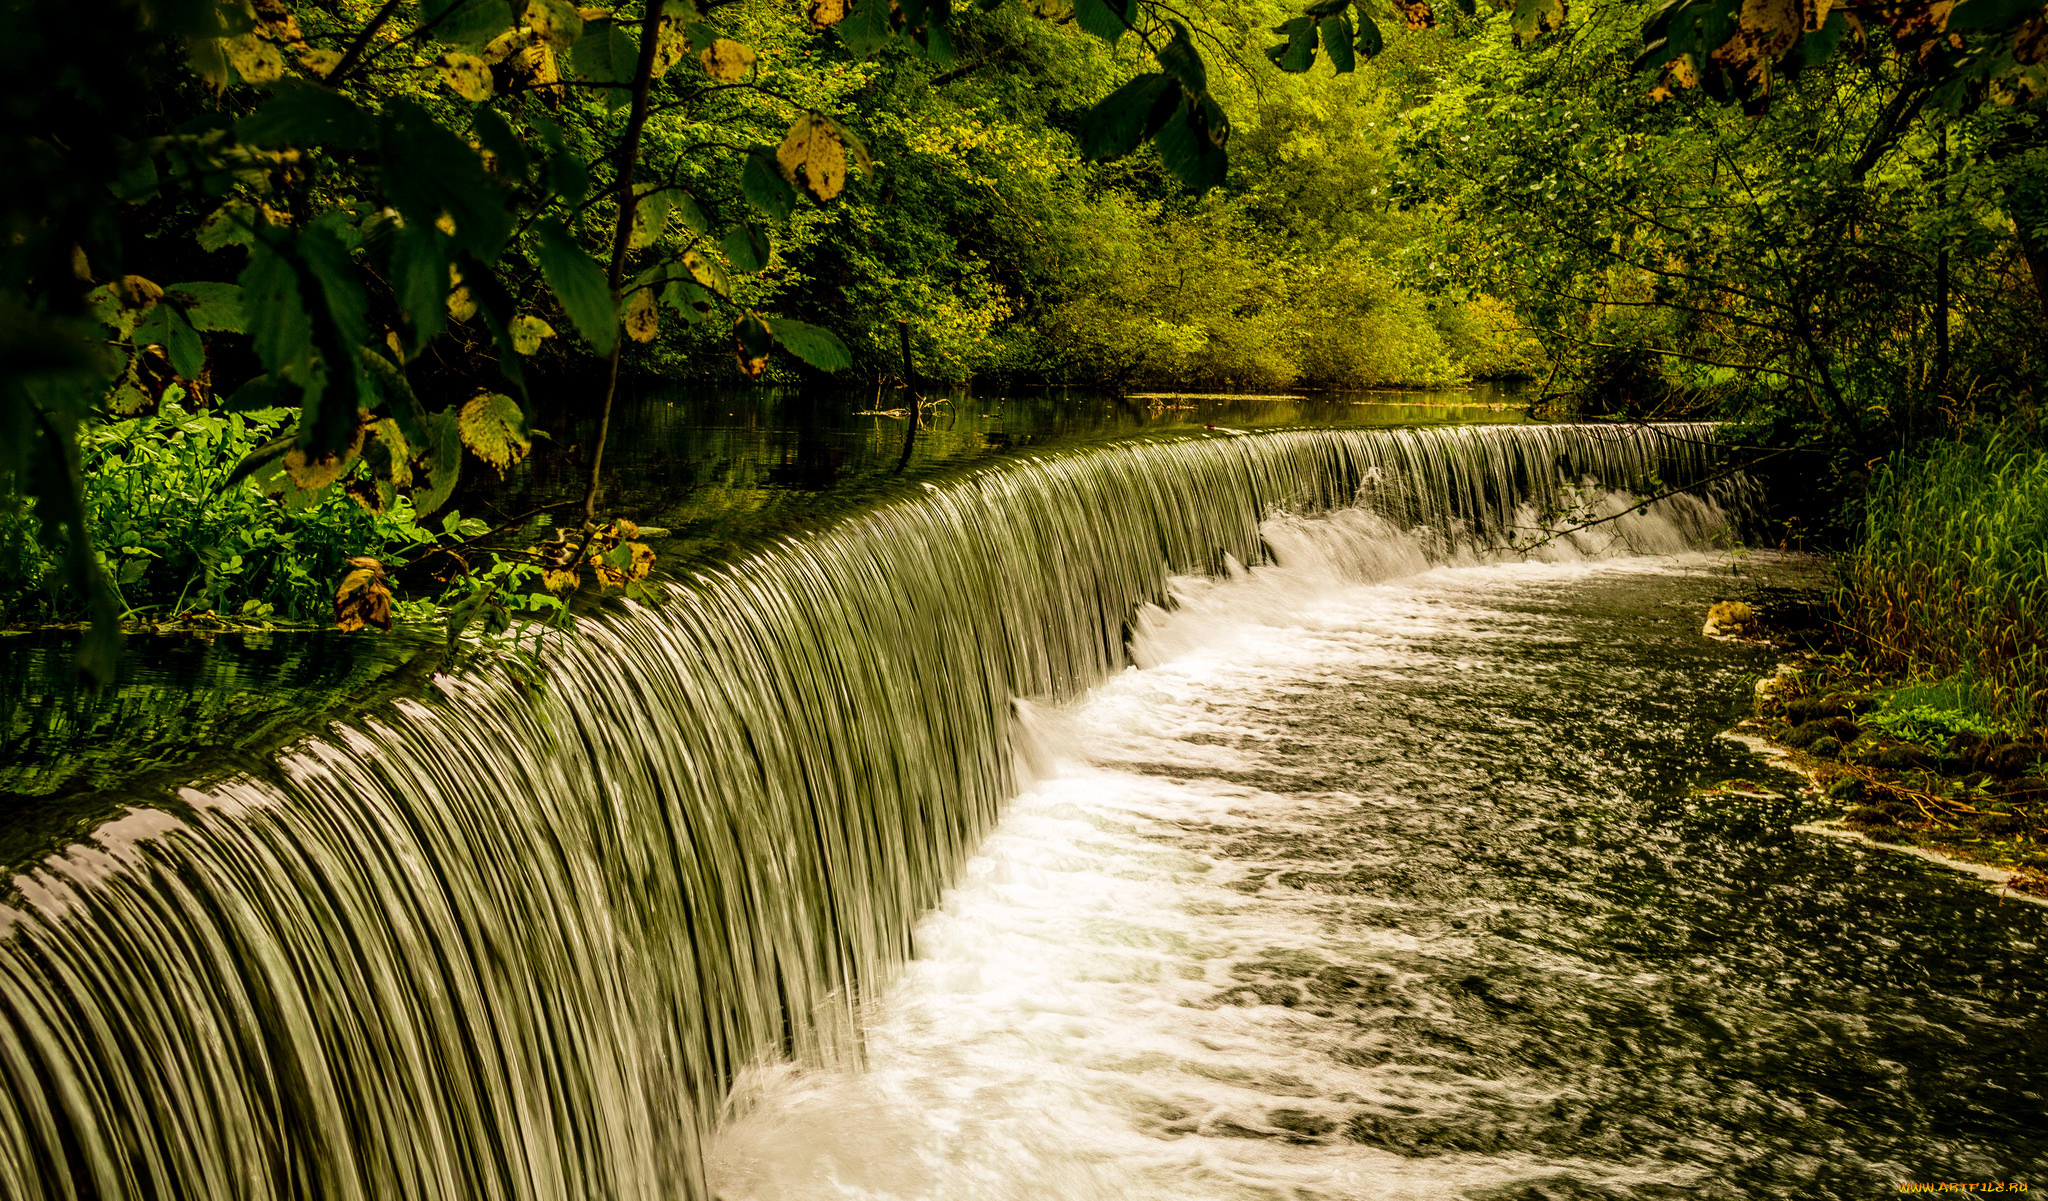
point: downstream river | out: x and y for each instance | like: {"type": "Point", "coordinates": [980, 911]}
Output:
{"type": "Point", "coordinates": [1405, 890]}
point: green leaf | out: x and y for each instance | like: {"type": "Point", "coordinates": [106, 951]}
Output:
{"type": "Point", "coordinates": [819, 347]}
{"type": "Point", "coordinates": [746, 246]}
{"type": "Point", "coordinates": [1189, 150]}
{"type": "Point", "coordinates": [579, 284]}
{"type": "Point", "coordinates": [498, 137]}
{"type": "Point", "coordinates": [1370, 40]}
{"type": "Point", "coordinates": [689, 299]}
{"type": "Point", "coordinates": [605, 53]}
{"type": "Point", "coordinates": [135, 177]}
{"type": "Point", "coordinates": [419, 282]}
{"type": "Point", "coordinates": [936, 43]}
{"type": "Point", "coordinates": [465, 22]}
{"type": "Point", "coordinates": [1179, 59]}
{"type": "Point", "coordinates": [429, 171]}
{"type": "Point", "coordinates": [1298, 52]}
{"type": "Point", "coordinates": [280, 328]}
{"type": "Point", "coordinates": [1126, 117]}
{"type": "Point", "coordinates": [866, 29]}
{"type": "Point", "coordinates": [399, 400]}
{"type": "Point", "coordinates": [1106, 19]}
{"type": "Point", "coordinates": [334, 298]}
{"type": "Point", "coordinates": [263, 392]}
{"type": "Point", "coordinates": [438, 458]}
{"type": "Point", "coordinates": [210, 305]}
{"type": "Point", "coordinates": [764, 186]}
{"type": "Point", "coordinates": [1972, 16]}
{"type": "Point", "coordinates": [165, 325]}
{"type": "Point", "coordinates": [1336, 33]}
{"type": "Point", "coordinates": [301, 114]}
{"type": "Point", "coordinates": [230, 225]}
{"type": "Point", "coordinates": [685, 207]}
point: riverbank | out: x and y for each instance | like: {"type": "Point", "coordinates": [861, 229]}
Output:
{"type": "Point", "coordinates": [1905, 765]}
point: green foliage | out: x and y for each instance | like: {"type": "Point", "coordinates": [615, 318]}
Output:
{"type": "Point", "coordinates": [1950, 574]}
{"type": "Point", "coordinates": [1930, 714]}
{"type": "Point", "coordinates": [176, 536]}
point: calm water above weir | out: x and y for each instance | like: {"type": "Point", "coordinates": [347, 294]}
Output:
{"type": "Point", "coordinates": [1367, 871]}
{"type": "Point", "coordinates": [1398, 890]}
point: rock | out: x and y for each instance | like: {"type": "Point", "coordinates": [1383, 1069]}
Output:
{"type": "Point", "coordinates": [2009, 758]}
{"type": "Point", "coordinates": [1728, 619]}
{"type": "Point", "coordinates": [1846, 790]}
{"type": "Point", "coordinates": [1802, 709]}
{"type": "Point", "coordinates": [1870, 752]}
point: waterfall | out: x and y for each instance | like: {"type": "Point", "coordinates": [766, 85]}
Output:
{"type": "Point", "coordinates": [514, 941]}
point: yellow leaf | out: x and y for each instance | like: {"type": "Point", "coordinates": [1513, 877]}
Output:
{"type": "Point", "coordinates": [709, 273]}
{"type": "Point", "coordinates": [255, 59]}
{"type": "Point", "coordinates": [314, 472]}
{"type": "Point", "coordinates": [465, 74]}
{"type": "Point", "coordinates": [651, 206]}
{"type": "Point", "coordinates": [2030, 43]}
{"type": "Point", "coordinates": [824, 14]}
{"type": "Point", "coordinates": [492, 426]}
{"type": "Point", "coordinates": [363, 598]}
{"type": "Point", "coordinates": [528, 331]}
{"type": "Point", "coordinates": [506, 45]}
{"type": "Point", "coordinates": [671, 43]}
{"type": "Point", "coordinates": [319, 63]}
{"type": "Point", "coordinates": [540, 63]}
{"type": "Point", "coordinates": [726, 60]}
{"type": "Point", "coordinates": [616, 570]}
{"type": "Point", "coordinates": [1416, 14]}
{"type": "Point", "coordinates": [461, 305]}
{"type": "Point", "coordinates": [555, 22]}
{"type": "Point", "coordinates": [642, 317]}
{"type": "Point", "coordinates": [129, 396]}
{"type": "Point", "coordinates": [813, 157]}
{"type": "Point", "coordinates": [1769, 27]}
{"type": "Point", "coordinates": [389, 454]}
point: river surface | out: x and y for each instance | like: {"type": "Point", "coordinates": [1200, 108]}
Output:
{"type": "Point", "coordinates": [1404, 889]}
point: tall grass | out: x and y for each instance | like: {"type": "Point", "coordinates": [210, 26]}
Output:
{"type": "Point", "coordinates": [1950, 576]}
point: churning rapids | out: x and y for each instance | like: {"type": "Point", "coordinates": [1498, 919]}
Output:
{"type": "Point", "coordinates": [1016, 841]}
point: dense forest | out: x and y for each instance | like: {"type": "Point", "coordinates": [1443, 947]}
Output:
{"type": "Point", "coordinates": [287, 271]}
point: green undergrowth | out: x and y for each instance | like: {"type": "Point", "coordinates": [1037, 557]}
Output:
{"type": "Point", "coordinates": [1948, 581]}
{"type": "Point", "coordinates": [185, 542]}
{"type": "Point", "coordinates": [1936, 763]}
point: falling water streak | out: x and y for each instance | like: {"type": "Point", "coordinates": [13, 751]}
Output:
{"type": "Point", "coordinates": [502, 945]}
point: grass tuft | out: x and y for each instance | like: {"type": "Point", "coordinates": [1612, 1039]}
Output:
{"type": "Point", "coordinates": [1949, 580]}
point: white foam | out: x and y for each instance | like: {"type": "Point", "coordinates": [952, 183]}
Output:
{"type": "Point", "coordinates": [1056, 1036]}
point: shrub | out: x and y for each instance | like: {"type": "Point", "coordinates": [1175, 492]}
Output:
{"type": "Point", "coordinates": [1949, 577]}
{"type": "Point", "coordinates": [177, 537]}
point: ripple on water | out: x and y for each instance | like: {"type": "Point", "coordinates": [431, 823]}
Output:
{"type": "Point", "coordinates": [1397, 890]}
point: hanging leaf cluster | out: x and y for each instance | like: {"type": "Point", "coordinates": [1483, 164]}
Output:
{"type": "Point", "coordinates": [1963, 52]}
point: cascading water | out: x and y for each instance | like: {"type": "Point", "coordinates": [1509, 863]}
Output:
{"type": "Point", "coordinates": [516, 944]}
